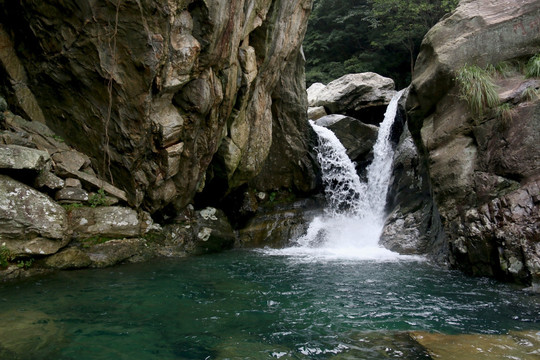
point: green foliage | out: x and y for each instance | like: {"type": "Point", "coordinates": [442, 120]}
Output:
{"type": "Point", "coordinates": [5, 256]}
{"type": "Point", "coordinates": [58, 138]}
{"type": "Point", "coordinates": [272, 196]}
{"type": "Point", "coordinates": [98, 199]}
{"type": "Point", "coordinates": [153, 237]}
{"type": "Point", "coordinates": [477, 89]}
{"type": "Point", "coordinates": [349, 36]}
{"type": "Point", "coordinates": [25, 264]}
{"type": "Point", "coordinates": [503, 69]}
{"type": "Point", "coordinates": [533, 66]}
{"type": "Point", "coordinates": [72, 206]}
{"type": "Point", "coordinates": [530, 94]}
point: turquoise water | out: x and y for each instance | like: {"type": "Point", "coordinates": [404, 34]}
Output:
{"type": "Point", "coordinates": [250, 305]}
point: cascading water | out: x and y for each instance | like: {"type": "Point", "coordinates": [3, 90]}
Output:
{"type": "Point", "coordinates": [354, 219]}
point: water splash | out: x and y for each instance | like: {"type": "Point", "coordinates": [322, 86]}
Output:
{"type": "Point", "coordinates": [354, 218]}
{"type": "Point", "coordinates": [343, 189]}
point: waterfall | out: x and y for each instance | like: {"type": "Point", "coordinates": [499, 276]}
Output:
{"type": "Point", "coordinates": [345, 193]}
{"type": "Point", "coordinates": [354, 219]}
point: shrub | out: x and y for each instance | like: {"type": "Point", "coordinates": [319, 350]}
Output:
{"type": "Point", "coordinates": [532, 69]}
{"type": "Point", "coordinates": [5, 256]}
{"type": "Point", "coordinates": [477, 89]}
{"type": "Point", "coordinates": [98, 199]}
{"type": "Point", "coordinates": [505, 113]}
{"type": "Point", "coordinates": [530, 94]}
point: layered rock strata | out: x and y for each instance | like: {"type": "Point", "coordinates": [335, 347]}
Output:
{"type": "Point", "coordinates": [153, 90]}
{"type": "Point", "coordinates": [483, 170]}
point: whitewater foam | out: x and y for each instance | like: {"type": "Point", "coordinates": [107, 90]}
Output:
{"type": "Point", "coordinates": [353, 221]}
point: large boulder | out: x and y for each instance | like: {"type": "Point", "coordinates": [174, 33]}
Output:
{"type": "Point", "coordinates": [161, 86]}
{"type": "Point", "coordinates": [483, 171]}
{"type": "Point", "coordinates": [31, 223]}
{"type": "Point", "coordinates": [22, 158]}
{"type": "Point", "coordinates": [478, 32]}
{"type": "Point", "coordinates": [277, 225]}
{"type": "Point", "coordinates": [201, 232]}
{"type": "Point", "coordinates": [108, 222]}
{"type": "Point", "coordinates": [363, 96]}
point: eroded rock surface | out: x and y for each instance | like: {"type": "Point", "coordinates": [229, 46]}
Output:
{"type": "Point", "coordinates": [363, 96]}
{"type": "Point", "coordinates": [484, 171]}
{"type": "Point", "coordinates": [31, 223]}
{"type": "Point", "coordinates": [152, 90]}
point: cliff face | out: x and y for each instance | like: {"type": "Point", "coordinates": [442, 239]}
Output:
{"type": "Point", "coordinates": [484, 170]}
{"type": "Point", "coordinates": [168, 98]}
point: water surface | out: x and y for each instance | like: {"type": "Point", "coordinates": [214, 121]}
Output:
{"type": "Point", "coordinates": [251, 305]}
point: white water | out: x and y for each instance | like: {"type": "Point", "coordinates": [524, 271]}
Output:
{"type": "Point", "coordinates": [354, 220]}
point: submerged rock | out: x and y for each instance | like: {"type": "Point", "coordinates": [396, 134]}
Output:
{"type": "Point", "coordinates": [515, 345]}
{"type": "Point", "coordinates": [29, 334]}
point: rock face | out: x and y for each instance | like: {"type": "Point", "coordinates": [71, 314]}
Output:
{"type": "Point", "coordinates": [31, 223]}
{"type": "Point", "coordinates": [412, 225]}
{"type": "Point", "coordinates": [156, 91]}
{"type": "Point", "coordinates": [363, 96]}
{"type": "Point", "coordinates": [484, 172]}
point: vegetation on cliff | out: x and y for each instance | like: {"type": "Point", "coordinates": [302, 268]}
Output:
{"type": "Point", "coordinates": [383, 36]}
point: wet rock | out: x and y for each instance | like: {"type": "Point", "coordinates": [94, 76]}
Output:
{"type": "Point", "coordinates": [19, 157]}
{"type": "Point", "coordinates": [212, 231]}
{"type": "Point", "coordinates": [112, 252]}
{"type": "Point", "coordinates": [357, 138]}
{"type": "Point", "coordinates": [70, 258]}
{"type": "Point", "coordinates": [291, 135]}
{"type": "Point", "coordinates": [30, 222]}
{"type": "Point", "coordinates": [276, 226]}
{"type": "Point", "coordinates": [413, 225]}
